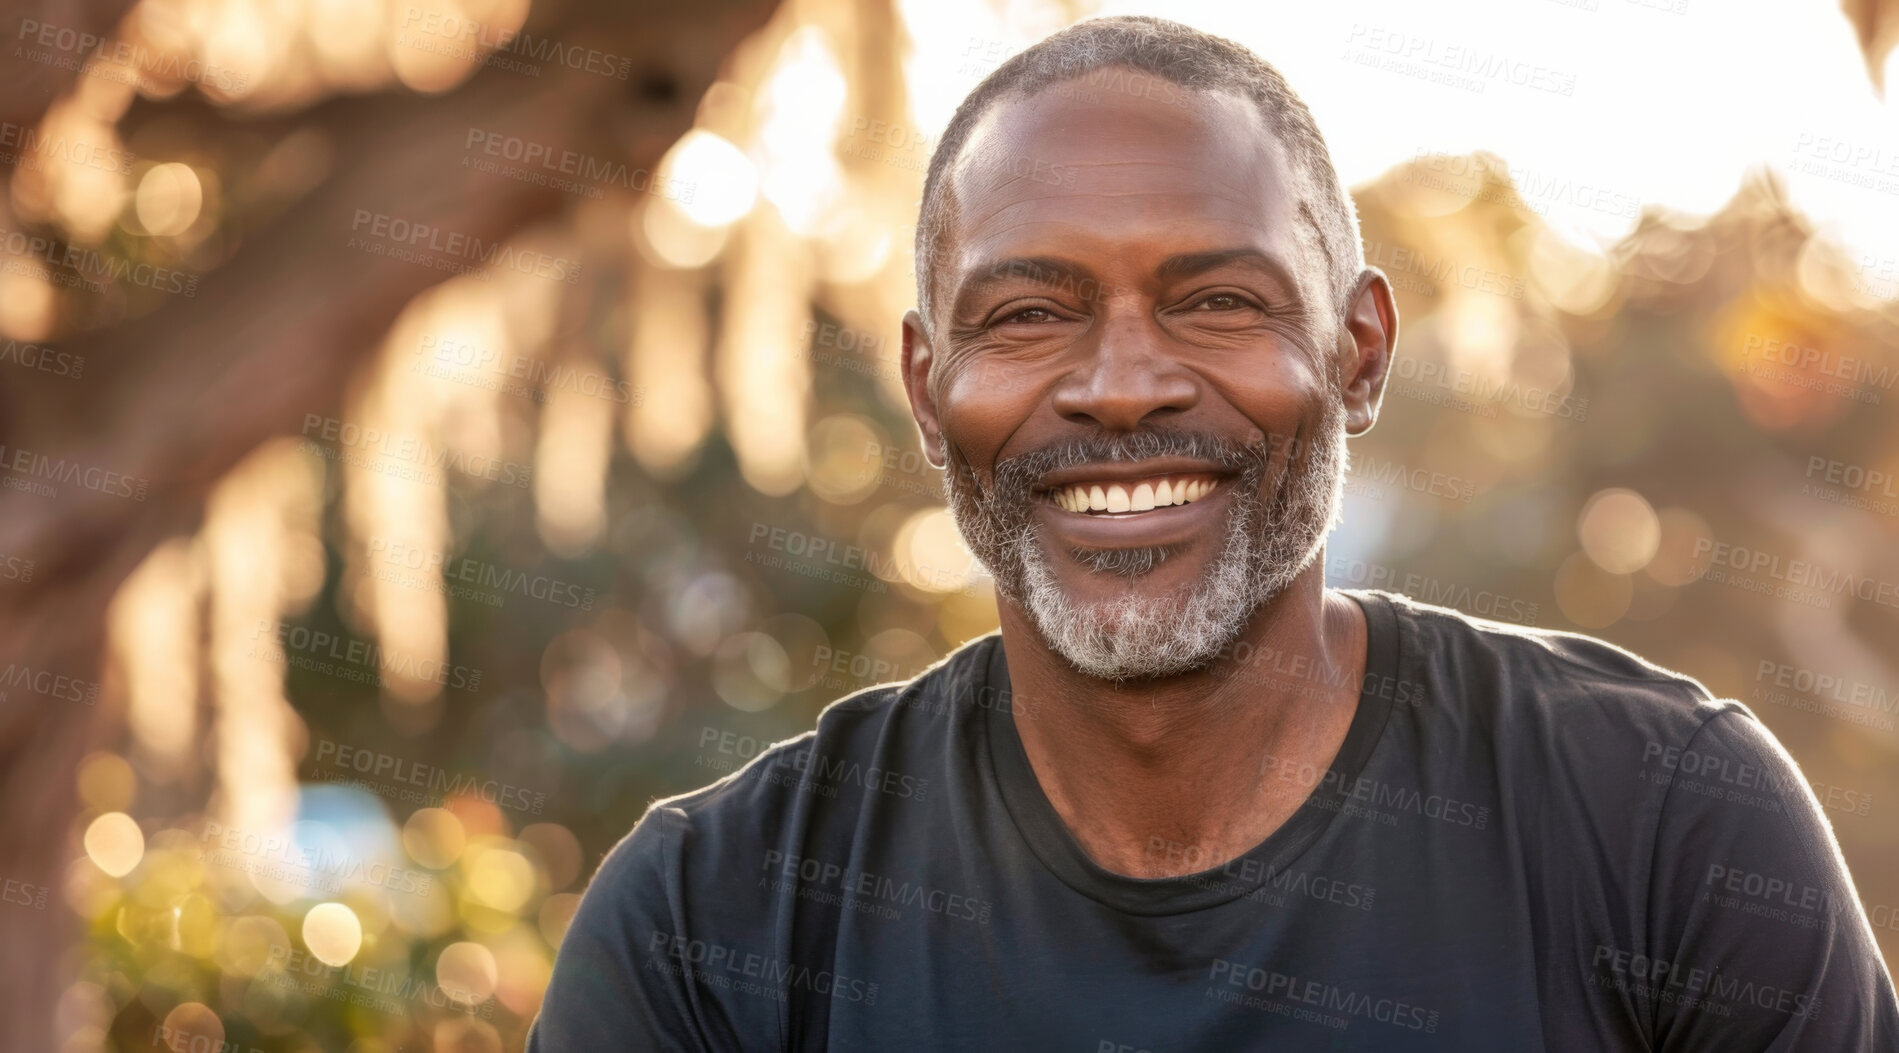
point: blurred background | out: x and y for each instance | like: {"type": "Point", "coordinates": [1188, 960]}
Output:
{"type": "Point", "coordinates": [431, 429]}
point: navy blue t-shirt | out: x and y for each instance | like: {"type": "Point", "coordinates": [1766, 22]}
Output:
{"type": "Point", "coordinates": [1528, 840]}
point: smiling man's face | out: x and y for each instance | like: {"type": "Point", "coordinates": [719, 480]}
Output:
{"type": "Point", "coordinates": [1136, 376]}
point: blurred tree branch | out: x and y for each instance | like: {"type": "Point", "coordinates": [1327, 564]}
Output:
{"type": "Point", "coordinates": [28, 88]}
{"type": "Point", "coordinates": [1876, 22]}
{"type": "Point", "coordinates": [181, 395]}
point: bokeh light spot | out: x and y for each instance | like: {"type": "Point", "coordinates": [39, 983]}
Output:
{"type": "Point", "coordinates": [466, 972]}
{"type": "Point", "coordinates": [332, 933]}
{"type": "Point", "coordinates": [114, 843]}
{"type": "Point", "coordinates": [1619, 530]}
{"type": "Point", "coordinates": [193, 1025]}
{"type": "Point", "coordinates": [500, 878]}
{"type": "Point", "coordinates": [843, 461]}
{"type": "Point", "coordinates": [107, 782]}
{"type": "Point", "coordinates": [751, 671]}
{"type": "Point", "coordinates": [434, 837]}
{"type": "Point", "coordinates": [930, 553]}
{"type": "Point", "coordinates": [169, 198]}
{"type": "Point", "coordinates": [723, 182]}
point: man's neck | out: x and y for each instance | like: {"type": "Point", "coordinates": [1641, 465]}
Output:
{"type": "Point", "coordinates": [1164, 777]}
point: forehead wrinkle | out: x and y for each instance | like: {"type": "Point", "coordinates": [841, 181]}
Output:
{"type": "Point", "coordinates": [967, 250]}
{"type": "Point", "coordinates": [974, 223]}
{"type": "Point", "coordinates": [1255, 200]}
{"type": "Point", "coordinates": [975, 159]}
{"type": "Point", "coordinates": [1214, 185]}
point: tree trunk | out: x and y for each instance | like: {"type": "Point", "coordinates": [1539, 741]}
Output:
{"type": "Point", "coordinates": [179, 396]}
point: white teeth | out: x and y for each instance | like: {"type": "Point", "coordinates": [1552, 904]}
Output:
{"type": "Point", "coordinates": [1143, 497]}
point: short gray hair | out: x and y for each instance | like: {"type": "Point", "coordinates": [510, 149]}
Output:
{"type": "Point", "coordinates": [1178, 54]}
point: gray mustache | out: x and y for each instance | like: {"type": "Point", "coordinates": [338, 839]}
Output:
{"type": "Point", "coordinates": [1016, 476]}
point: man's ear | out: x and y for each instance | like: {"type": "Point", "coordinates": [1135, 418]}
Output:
{"type": "Point", "coordinates": [1367, 341]}
{"type": "Point", "coordinates": [917, 357]}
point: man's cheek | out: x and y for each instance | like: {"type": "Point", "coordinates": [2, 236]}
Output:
{"type": "Point", "coordinates": [967, 377]}
{"type": "Point", "coordinates": [977, 425]}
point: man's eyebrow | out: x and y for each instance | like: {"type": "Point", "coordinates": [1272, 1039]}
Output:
{"type": "Point", "coordinates": [1057, 272]}
{"type": "Point", "coordinates": [1051, 271]}
{"type": "Point", "coordinates": [1041, 270]}
{"type": "Point", "coordinates": [1190, 264]}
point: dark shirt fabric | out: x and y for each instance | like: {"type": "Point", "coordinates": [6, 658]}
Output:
{"type": "Point", "coordinates": [1528, 840]}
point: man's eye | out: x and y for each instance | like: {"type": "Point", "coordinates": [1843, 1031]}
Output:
{"type": "Point", "coordinates": [1222, 302]}
{"type": "Point", "coordinates": [1028, 314]}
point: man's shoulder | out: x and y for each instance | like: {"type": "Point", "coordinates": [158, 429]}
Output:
{"type": "Point", "coordinates": [1523, 671]}
{"type": "Point", "coordinates": [884, 740]}
{"type": "Point", "coordinates": [1568, 718]}
{"type": "Point", "coordinates": [1563, 711]}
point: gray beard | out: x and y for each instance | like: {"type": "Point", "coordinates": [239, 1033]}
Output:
{"type": "Point", "coordinates": [1267, 545]}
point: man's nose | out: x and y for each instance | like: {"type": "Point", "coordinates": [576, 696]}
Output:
{"type": "Point", "coordinates": [1130, 377]}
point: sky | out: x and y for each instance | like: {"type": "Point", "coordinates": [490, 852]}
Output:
{"type": "Point", "coordinates": [1598, 106]}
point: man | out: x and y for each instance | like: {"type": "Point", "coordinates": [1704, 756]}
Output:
{"type": "Point", "coordinates": [1190, 799]}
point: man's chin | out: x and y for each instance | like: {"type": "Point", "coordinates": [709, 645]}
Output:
{"type": "Point", "coordinates": [1115, 602]}
{"type": "Point", "coordinates": [1131, 636]}
{"type": "Point", "coordinates": [1123, 614]}
{"type": "Point", "coordinates": [1131, 655]}
{"type": "Point", "coordinates": [1127, 564]}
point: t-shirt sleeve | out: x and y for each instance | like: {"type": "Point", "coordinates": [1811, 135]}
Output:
{"type": "Point", "coordinates": [1758, 938]}
{"type": "Point", "coordinates": [608, 990]}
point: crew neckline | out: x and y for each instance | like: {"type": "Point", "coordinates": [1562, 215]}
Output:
{"type": "Point", "coordinates": [1041, 827]}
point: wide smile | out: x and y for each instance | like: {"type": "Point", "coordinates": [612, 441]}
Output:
{"type": "Point", "coordinates": [1129, 498]}
{"type": "Point", "coordinates": [1123, 505]}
